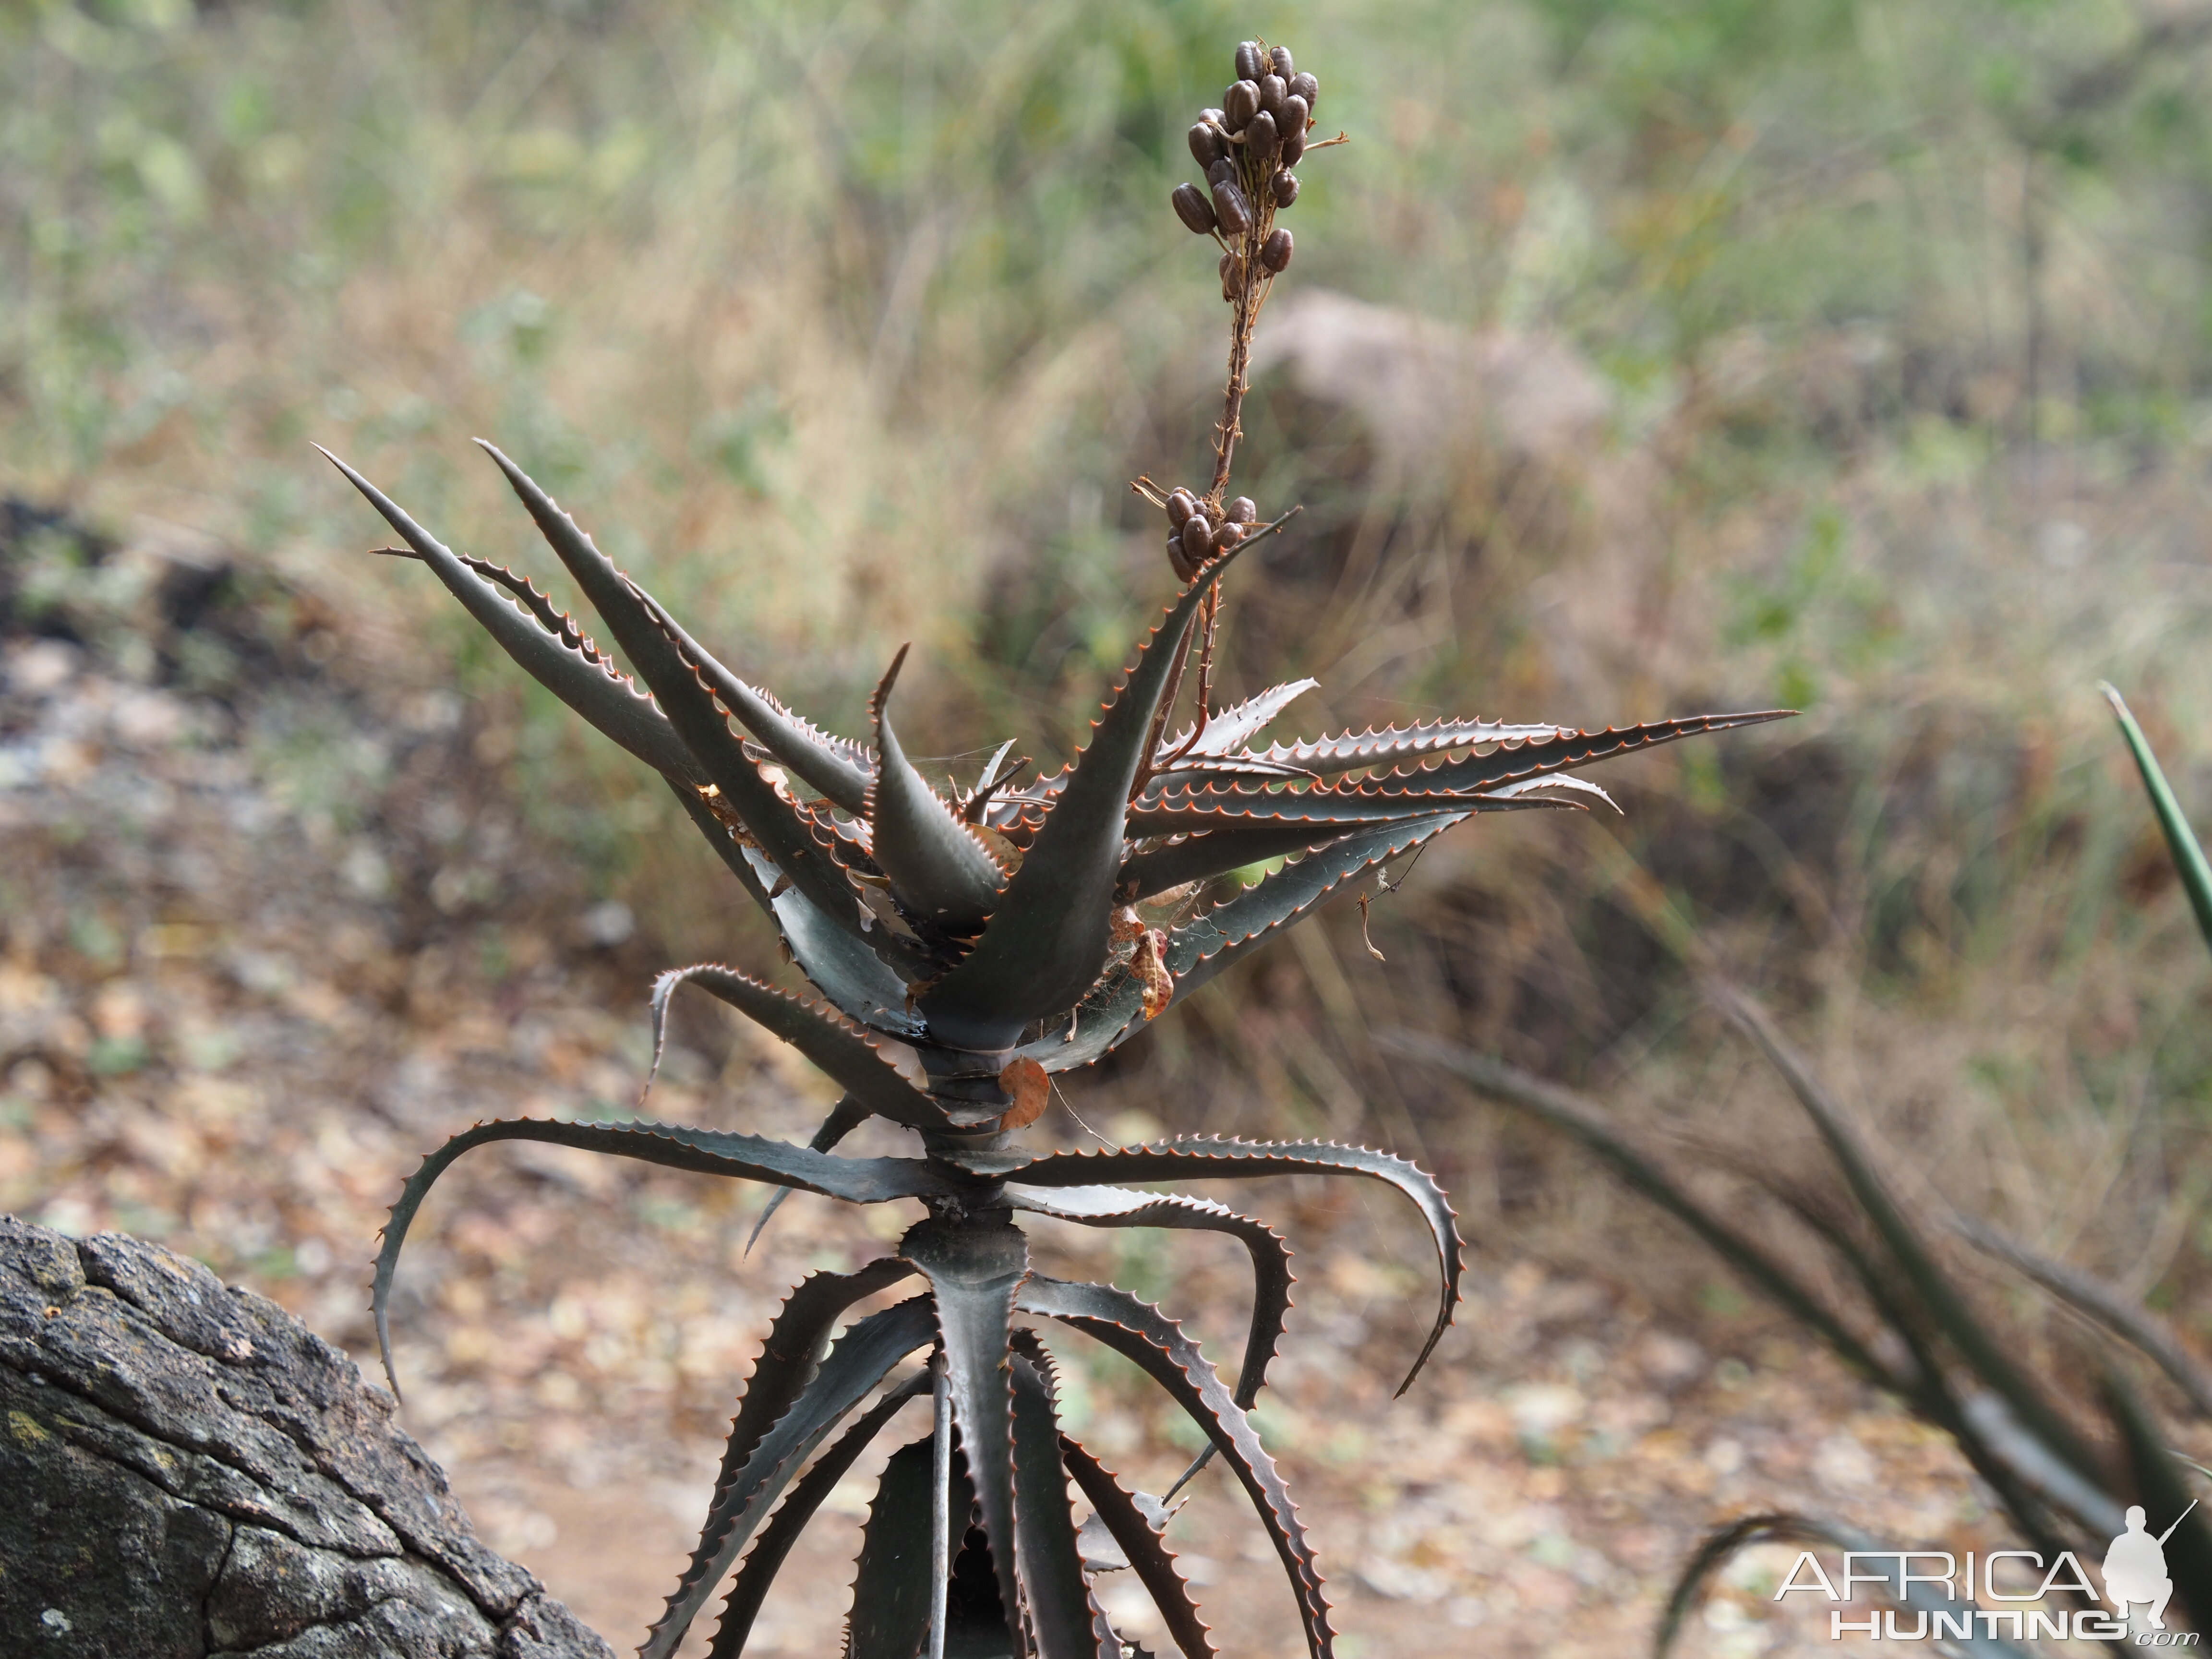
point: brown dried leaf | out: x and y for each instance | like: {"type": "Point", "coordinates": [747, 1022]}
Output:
{"type": "Point", "coordinates": [1025, 1080]}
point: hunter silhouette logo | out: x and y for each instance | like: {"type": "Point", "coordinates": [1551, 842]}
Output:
{"type": "Point", "coordinates": [2134, 1568]}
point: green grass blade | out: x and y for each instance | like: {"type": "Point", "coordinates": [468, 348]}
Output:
{"type": "Point", "coordinates": [2180, 839]}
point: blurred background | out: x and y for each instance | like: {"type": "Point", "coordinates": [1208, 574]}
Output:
{"type": "Point", "coordinates": [1639, 358]}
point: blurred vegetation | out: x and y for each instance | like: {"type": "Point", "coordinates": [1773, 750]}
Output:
{"type": "Point", "coordinates": [849, 326]}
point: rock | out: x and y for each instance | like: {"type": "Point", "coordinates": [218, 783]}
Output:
{"type": "Point", "coordinates": [190, 1471]}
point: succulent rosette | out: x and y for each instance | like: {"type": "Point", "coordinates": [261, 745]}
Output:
{"type": "Point", "coordinates": [961, 946]}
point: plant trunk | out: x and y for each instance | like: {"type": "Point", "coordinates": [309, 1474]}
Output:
{"type": "Point", "coordinates": [189, 1470]}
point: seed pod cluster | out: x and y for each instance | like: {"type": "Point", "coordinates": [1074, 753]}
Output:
{"type": "Point", "coordinates": [1247, 148]}
{"type": "Point", "coordinates": [1195, 539]}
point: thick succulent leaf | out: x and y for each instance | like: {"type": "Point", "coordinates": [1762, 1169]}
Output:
{"type": "Point", "coordinates": [586, 682]}
{"type": "Point", "coordinates": [1513, 761]}
{"type": "Point", "coordinates": [691, 710]}
{"type": "Point", "coordinates": [766, 1558]}
{"type": "Point", "coordinates": [1196, 773]}
{"type": "Point", "coordinates": [847, 1115]}
{"type": "Point", "coordinates": [877, 1071]}
{"type": "Point", "coordinates": [892, 1583]}
{"type": "Point", "coordinates": [1117, 1206]}
{"type": "Point", "coordinates": [1720, 1548]}
{"type": "Point", "coordinates": [1140, 1332]}
{"type": "Point", "coordinates": [837, 768]}
{"type": "Point", "coordinates": [1233, 727]}
{"type": "Point", "coordinates": [973, 1270]}
{"type": "Point", "coordinates": [856, 1363]}
{"type": "Point", "coordinates": [937, 867]}
{"type": "Point", "coordinates": [1048, 938]}
{"type": "Point", "coordinates": [1114, 1012]}
{"type": "Point", "coordinates": [1206, 1157]}
{"type": "Point", "coordinates": [2167, 1509]}
{"type": "Point", "coordinates": [791, 1356]}
{"type": "Point", "coordinates": [1240, 841]}
{"type": "Point", "coordinates": [1318, 813]}
{"type": "Point", "coordinates": [1946, 1305]}
{"type": "Point", "coordinates": [1392, 744]}
{"type": "Point", "coordinates": [855, 972]}
{"type": "Point", "coordinates": [1147, 1554]}
{"type": "Point", "coordinates": [1644, 1171]}
{"type": "Point", "coordinates": [750, 1157]}
{"type": "Point", "coordinates": [1064, 1622]}
{"type": "Point", "coordinates": [2181, 840]}
{"type": "Point", "coordinates": [2108, 1304]}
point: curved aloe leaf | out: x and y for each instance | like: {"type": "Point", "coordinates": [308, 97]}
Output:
{"type": "Point", "coordinates": [750, 1157]}
{"type": "Point", "coordinates": [1063, 1619]}
{"type": "Point", "coordinates": [1205, 946]}
{"type": "Point", "coordinates": [847, 1115]}
{"type": "Point", "coordinates": [859, 974]}
{"type": "Point", "coordinates": [1947, 1309]}
{"type": "Point", "coordinates": [1242, 841]}
{"type": "Point", "coordinates": [860, 1061]}
{"type": "Point", "coordinates": [1513, 762]}
{"type": "Point", "coordinates": [840, 770]}
{"type": "Point", "coordinates": [1349, 750]}
{"type": "Point", "coordinates": [587, 683]}
{"type": "Point", "coordinates": [1636, 1166]}
{"type": "Point", "coordinates": [2108, 1304]}
{"type": "Point", "coordinates": [1140, 1332]}
{"type": "Point", "coordinates": [766, 1558]}
{"type": "Point", "coordinates": [1148, 1555]}
{"type": "Point", "coordinates": [2180, 840]}
{"type": "Point", "coordinates": [791, 1357]}
{"type": "Point", "coordinates": [1318, 813]}
{"type": "Point", "coordinates": [937, 867]}
{"type": "Point", "coordinates": [892, 1582]}
{"type": "Point", "coordinates": [973, 1271]}
{"type": "Point", "coordinates": [856, 1363]}
{"type": "Point", "coordinates": [1048, 938]}
{"type": "Point", "coordinates": [697, 718]}
{"type": "Point", "coordinates": [1117, 1206]}
{"type": "Point", "coordinates": [1235, 725]}
{"type": "Point", "coordinates": [1208, 1158]}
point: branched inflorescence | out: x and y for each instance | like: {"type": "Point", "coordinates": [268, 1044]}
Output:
{"type": "Point", "coordinates": [960, 946]}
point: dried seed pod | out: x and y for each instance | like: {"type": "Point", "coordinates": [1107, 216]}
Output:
{"type": "Point", "coordinates": [1286, 187]}
{"type": "Point", "coordinates": [1294, 136]}
{"type": "Point", "coordinates": [1249, 64]}
{"type": "Point", "coordinates": [1271, 94]}
{"type": "Point", "coordinates": [1241, 103]}
{"type": "Point", "coordinates": [1279, 61]}
{"type": "Point", "coordinates": [1232, 209]}
{"type": "Point", "coordinates": [1307, 86]}
{"type": "Point", "coordinates": [1207, 146]}
{"type": "Point", "coordinates": [1295, 117]}
{"type": "Point", "coordinates": [1275, 252]}
{"type": "Point", "coordinates": [1184, 568]}
{"type": "Point", "coordinates": [1263, 140]}
{"type": "Point", "coordinates": [1227, 536]}
{"type": "Point", "coordinates": [1181, 504]}
{"type": "Point", "coordinates": [1192, 208]}
{"type": "Point", "coordinates": [1222, 171]}
{"type": "Point", "coordinates": [1198, 538]}
{"type": "Point", "coordinates": [1215, 118]}
{"type": "Point", "coordinates": [1244, 510]}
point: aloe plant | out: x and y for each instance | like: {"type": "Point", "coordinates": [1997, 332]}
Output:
{"type": "Point", "coordinates": [961, 945]}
